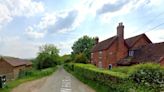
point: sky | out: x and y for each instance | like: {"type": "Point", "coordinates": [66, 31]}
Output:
{"type": "Point", "coordinates": [27, 24]}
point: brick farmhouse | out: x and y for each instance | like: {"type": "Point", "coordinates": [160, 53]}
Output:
{"type": "Point", "coordinates": [117, 51]}
{"type": "Point", "coordinates": [11, 67]}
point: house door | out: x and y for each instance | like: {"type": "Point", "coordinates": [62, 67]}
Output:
{"type": "Point", "coordinates": [110, 66]}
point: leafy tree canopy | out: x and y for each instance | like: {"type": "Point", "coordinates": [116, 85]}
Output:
{"type": "Point", "coordinates": [83, 45]}
{"type": "Point", "coordinates": [47, 57]}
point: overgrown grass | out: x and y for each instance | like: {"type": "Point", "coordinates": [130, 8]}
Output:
{"type": "Point", "coordinates": [32, 75]}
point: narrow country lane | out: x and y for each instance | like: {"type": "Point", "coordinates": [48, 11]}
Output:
{"type": "Point", "coordinates": [60, 81]}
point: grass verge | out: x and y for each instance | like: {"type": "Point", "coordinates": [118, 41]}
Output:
{"type": "Point", "coordinates": [33, 75]}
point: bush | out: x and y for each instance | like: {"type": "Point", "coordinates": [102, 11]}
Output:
{"type": "Point", "coordinates": [48, 56]}
{"type": "Point", "coordinates": [80, 58]}
{"type": "Point", "coordinates": [65, 59]}
{"type": "Point", "coordinates": [149, 75]}
{"type": "Point", "coordinates": [105, 77]}
{"type": "Point", "coordinates": [137, 78]}
{"type": "Point", "coordinates": [34, 72]}
{"type": "Point", "coordinates": [46, 61]}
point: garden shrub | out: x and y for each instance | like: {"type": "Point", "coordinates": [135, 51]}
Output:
{"type": "Point", "coordinates": [149, 75]}
{"type": "Point", "coordinates": [110, 78]}
{"type": "Point", "coordinates": [80, 58]}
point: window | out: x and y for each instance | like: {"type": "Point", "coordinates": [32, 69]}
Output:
{"type": "Point", "coordinates": [131, 53]}
{"type": "Point", "coordinates": [91, 55]}
{"type": "Point", "coordinates": [100, 54]}
{"type": "Point", "coordinates": [100, 64]}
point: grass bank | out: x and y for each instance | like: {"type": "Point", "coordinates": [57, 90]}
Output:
{"type": "Point", "coordinates": [29, 76]}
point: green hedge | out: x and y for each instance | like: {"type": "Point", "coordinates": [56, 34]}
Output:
{"type": "Point", "coordinates": [123, 79]}
{"type": "Point", "coordinates": [114, 80]}
{"type": "Point", "coordinates": [149, 75]}
{"type": "Point", "coordinates": [33, 72]}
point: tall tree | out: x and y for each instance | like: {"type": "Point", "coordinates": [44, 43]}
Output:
{"type": "Point", "coordinates": [83, 45]}
{"type": "Point", "coordinates": [47, 57]}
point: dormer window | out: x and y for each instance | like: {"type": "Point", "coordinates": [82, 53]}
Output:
{"type": "Point", "coordinates": [131, 53]}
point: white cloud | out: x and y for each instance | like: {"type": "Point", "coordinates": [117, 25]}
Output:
{"type": "Point", "coordinates": [65, 47]}
{"type": "Point", "coordinates": [34, 34]}
{"type": "Point", "coordinates": [56, 22]}
{"type": "Point", "coordinates": [16, 47]}
{"type": "Point", "coordinates": [107, 9]}
{"type": "Point", "coordinates": [67, 23]}
{"type": "Point", "coordinates": [156, 35]}
{"type": "Point", "coordinates": [11, 8]}
{"type": "Point", "coordinates": [46, 21]}
{"type": "Point", "coordinates": [4, 15]}
{"type": "Point", "coordinates": [24, 7]}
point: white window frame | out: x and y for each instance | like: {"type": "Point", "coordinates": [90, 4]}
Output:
{"type": "Point", "coordinates": [91, 55]}
{"type": "Point", "coordinates": [100, 54]}
{"type": "Point", "coordinates": [100, 64]}
{"type": "Point", "coordinates": [131, 53]}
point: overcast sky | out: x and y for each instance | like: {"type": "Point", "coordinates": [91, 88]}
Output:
{"type": "Point", "coordinates": [27, 24]}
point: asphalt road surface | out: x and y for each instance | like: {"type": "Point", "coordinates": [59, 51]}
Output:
{"type": "Point", "coordinates": [60, 81]}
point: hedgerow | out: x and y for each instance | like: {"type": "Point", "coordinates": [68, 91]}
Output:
{"type": "Point", "coordinates": [149, 75]}
{"type": "Point", "coordinates": [138, 78]}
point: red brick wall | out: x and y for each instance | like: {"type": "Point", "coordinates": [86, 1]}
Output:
{"type": "Point", "coordinates": [17, 70]}
{"type": "Point", "coordinates": [104, 59]}
{"type": "Point", "coordinates": [162, 62]}
{"type": "Point", "coordinates": [140, 42]}
{"type": "Point", "coordinates": [122, 52]}
{"type": "Point", "coordinates": [94, 58]}
{"type": "Point", "coordinates": [6, 69]}
{"type": "Point", "coordinates": [110, 56]}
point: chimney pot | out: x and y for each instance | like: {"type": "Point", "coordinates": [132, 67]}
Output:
{"type": "Point", "coordinates": [120, 24]}
{"type": "Point", "coordinates": [96, 40]}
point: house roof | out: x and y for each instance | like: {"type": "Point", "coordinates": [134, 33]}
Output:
{"type": "Point", "coordinates": [16, 61]}
{"type": "Point", "coordinates": [104, 44]}
{"type": "Point", "coordinates": [150, 53]}
{"type": "Point", "coordinates": [108, 42]}
{"type": "Point", "coordinates": [131, 41]}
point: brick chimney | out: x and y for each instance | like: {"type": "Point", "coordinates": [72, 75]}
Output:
{"type": "Point", "coordinates": [96, 40]}
{"type": "Point", "coordinates": [121, 49]}
{"type": "Point", "coordinates": [120, 30]}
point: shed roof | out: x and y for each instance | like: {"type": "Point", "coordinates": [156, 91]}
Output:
{"type": "Point", "coordinates": [16, 61]}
